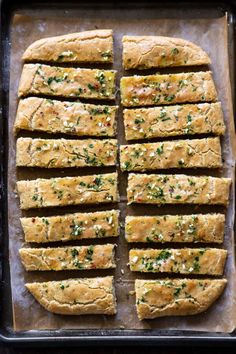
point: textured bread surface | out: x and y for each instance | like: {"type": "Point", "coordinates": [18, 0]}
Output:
{"type": "Point", "coordinates": [61, 153]}
{"type": "Point", "coordinates": [177, 189]}
{"type": "Point", "coordinates": [167, 89]}
{"type": "Point", "coordinates": [76, 296]}
{"type": "Point", "coordinates": [144, 52]}
{"type": "Point", "coordinates": [207, 261]}
{"type": "Point", "coordinates": [40, 79]}
{"type": "Point", "coordinates": [82, 47]}
{"type": "Point", "coordinates": [176, 297]}
{"type": "Point", "coordinates": [72, 118]}
{"type": "Point", "coordinates": [175, 228]}
{"type": "Point", "coordinates": [190, 119]}
{"type": "Point", "coordinates": [171, 154]}
{"type": "Point", "coordinates": [67, 258]}
{"type": "Point", "coordinates": [92, 189]}
{"type": "Point", "coordinates": [68, 227]}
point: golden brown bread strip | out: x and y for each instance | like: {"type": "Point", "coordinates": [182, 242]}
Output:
{"type": "Point", "coordinates": [171, 154]}
{"type": "Point", "coordinates": [176, 297]}
{"type": "Point", "coordinates": [177, 189]}
{"type": "Point", "coordinates": [76, 296]}
{"type": "Point", "coordinates": [73, 118]}
{"type": "Point", "coordinates": [40, 79]}
{"type": "Point", "coordinates": [144, 52]}
{"type": "Point", "coordinates": [175, 228]}
{"type": "Point", "coordinates": [155, 122]}
{"type": "Point", "coordinates": [210, 261]}
{"type": "Point", "coordinates": [166, 89]}
{"type": "Point", "coordinates": [61, 153]}
{"type": "Point", "coordinates": [68, 227]}
{"type": "Point", "coordinates": [92, 189]}
{"type": "Point", "coordinates": [68, 258]}
{"type": "Point", "coordinates": [83, 47]}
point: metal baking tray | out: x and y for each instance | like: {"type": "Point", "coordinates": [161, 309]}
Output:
{"type": "Point", "coordinates": [91, 337]}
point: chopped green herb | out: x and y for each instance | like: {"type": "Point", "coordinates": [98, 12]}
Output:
{"type": "Point", "coordinates": [148, 239]}
{"type": "Point", "coordinates": [127, 165]}
{"type": "Point", "coordinates": [77, 229]}
{"type": "Point", "coordinates": [56, 79]}
{"type": "Point", "coordinates": [196, 266]}
{"type": "Point", "coordinates": [91, 87]}
{"type": "Point", "coordinates": [45, 221]}
{"type": "Point", "coordinates": [163, 255]}
{"type": "Point", "coordinates": [106, 55]}
{"type": "Point", "coordinates": [74, 252]}
{"type": "Point", "coordinates": [189, 118]}
{"type": "Point", "coordinates": [98, 181]}
{"type": "Point", "coordinates": [50, 101]}
{"type": "Point", "coordinates": [175, 51]}
{"type": "Point", "coordinates": [170, 98]}
{"type": "Point", "coordinates": [101, 78]}
{"type": "Point", "coordinates": [177, 292]}
{"type": "Point", "coordinates": [139, 121]}
{"type": "Point", "coordinates": [100, 232]}
{"type": "Point", "coordinates": [181, 162]}
{"type": "Point", "coordinates": [160, 149]}
{"type": "Point", "coordinates": [89, 253]}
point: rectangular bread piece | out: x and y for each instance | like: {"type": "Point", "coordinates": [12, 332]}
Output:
{"type": "Point", "coordinates": [176, 297]}
{"type": "Point", "coordinates": [171, 154]}
{"type": "Point", "coordinates": [83, 296]}
{"type": "Point", "coordinates": [68, 258]}
{"type": "Point", "coordinates": [72, 118]}
{"type": "Point", "coordinates": [209, 261]}
{"type": "Point", "coordinates": [83, 47]}
{"type": "Point", "coordinates": [62, 153]}
{"type": "Point", "coordinates": [159, 89]}
{"type": "Point", "coordinates": [206, 228]}
{"type": "Point", "coordinates": [92, 189]}
{"type": "Point", "coordinates": [145, 52]}
{"type": "Point", "coordinates": [68, 227]}
{"type": "Point", "coordinates": [40, 79]}
{"type": "Point", "coordinates": [177, 189]}
{"type": "Point", "coordinates": [158, 122]}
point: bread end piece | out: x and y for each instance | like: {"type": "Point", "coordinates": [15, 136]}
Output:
{"type": "Point", "coordinates": [94, 46]}
{"type": "Point", "coordinates": [76, 296]}
{"type": "Point", "coordinates": [176, 297]}
{"type": "Point", "coordinates": [144, 52]}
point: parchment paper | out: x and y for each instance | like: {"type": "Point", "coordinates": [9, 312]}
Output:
{"type": "Point", "coordinates": [211, 35]}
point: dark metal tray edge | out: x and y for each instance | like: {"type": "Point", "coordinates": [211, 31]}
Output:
{"type": "Point", "coordinates": [73, 337]}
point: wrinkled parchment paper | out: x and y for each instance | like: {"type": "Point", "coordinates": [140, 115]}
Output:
{"type": "Point", "coordinates": [211, 35]}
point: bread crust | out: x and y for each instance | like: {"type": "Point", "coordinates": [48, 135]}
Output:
{"type": "Point", "coordinates": [190, 119]}
{"type": "Point", "coordinates": [177, 189]}
{"type": "Point", "coordinates": [76, 296]}
{"type": "Point", "coordinates": [62, 153]}
{"type": "Point", "coordinates": [72, 118]}
{"type": "Point", "coordinates": [206, 228]}
{"type": "Point", "coordinates": [171, 154]}
{"type": "Point", "coordinates": [167, 89]}
{"type": "Point", "coordinates": [40, 79]}
{"type": "Point", "coordinates": [82, 47]}
{"type": "Point", "coordinates": [202, 261]}
{"type": "Point", "coordinates": [176, 297]}
{"type": "Point", "coordinates": [92, 189]}
{"type": "Point", "coordinates": [68, 258]}
{"type": "Point", "coordinates": [68, 227]}
{"type": "Point", "coordinates": [145, 52]}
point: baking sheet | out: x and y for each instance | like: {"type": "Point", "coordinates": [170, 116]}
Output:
{"type": "Point", "coordinates": [32, 25]}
